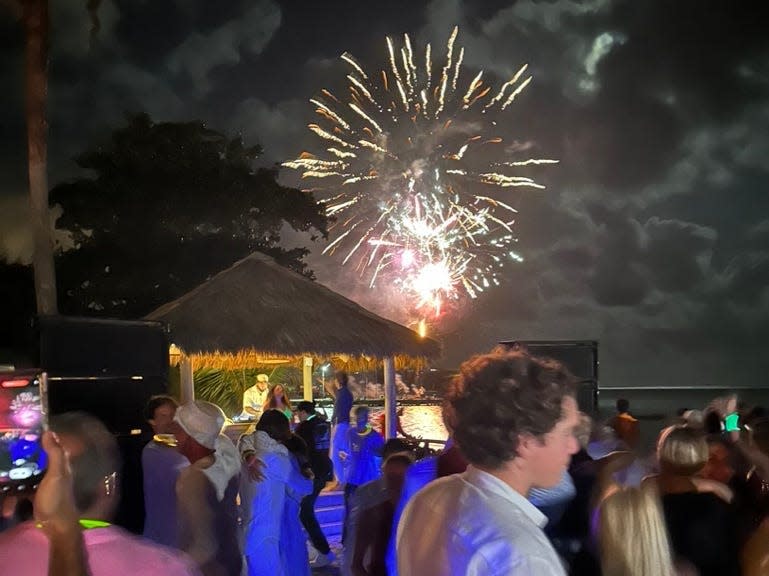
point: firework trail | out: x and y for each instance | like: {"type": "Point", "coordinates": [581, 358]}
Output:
{"type": "Point", "coordinates": [411, 179]}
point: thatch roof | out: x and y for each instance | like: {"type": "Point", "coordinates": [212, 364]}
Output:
{"type": "Point", "coordinates": [259, 305]}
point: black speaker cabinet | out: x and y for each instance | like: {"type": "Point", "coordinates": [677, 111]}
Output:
{"type": "Point", "coordinates": [579, 356]}
{"type": "Point", "coordinates": [80, 347]}
{"type": "Point", "coordinates": [109, 368]}
{"type": "Point", "coordinates": [118, 402]}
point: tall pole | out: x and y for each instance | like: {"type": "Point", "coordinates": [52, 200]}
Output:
{"type": "Point", "coordinates": [307, 377]}
{"type": "Point", "coordinates": [390, 398]}
{"type": "Point", "coordinates": [36, 22]}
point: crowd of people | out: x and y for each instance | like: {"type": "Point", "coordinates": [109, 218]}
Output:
{"type": "Point", "coordinates": [527, 484]}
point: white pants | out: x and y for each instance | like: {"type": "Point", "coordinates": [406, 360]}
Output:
{"type": "Point", "coordinates": [339, 443]}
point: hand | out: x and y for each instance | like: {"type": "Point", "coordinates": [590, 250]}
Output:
{"type": "Point", "coordinates": [55, 499]}
{"type": "Point", "coordinates": [254, 467]}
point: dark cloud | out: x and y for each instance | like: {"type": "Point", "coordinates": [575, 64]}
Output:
{"type": "Point", "coordinates": [652, 233]}
{"type": "Point", "coordinates": [677, 253]}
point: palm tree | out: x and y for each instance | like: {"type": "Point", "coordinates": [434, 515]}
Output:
{"type": "Point", "coordinates": [35, 19]}
{"type": "Point", "coordinates": [36, 27]}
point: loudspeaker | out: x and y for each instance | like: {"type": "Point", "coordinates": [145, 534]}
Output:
{"type": "Point", "coordinates": [130, 512]}
{"type": "Point", "coordinates": [118, 402]}
{"type": "Point", "coordinates": [580, 357]}
{"type": "Point", "coordinates": [109, 368]}
{"type": "Point", "coordinates": [88, 347]}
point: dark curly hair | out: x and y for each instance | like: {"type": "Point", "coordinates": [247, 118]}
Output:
{"type": "Point", "coordinates": [499, 396]}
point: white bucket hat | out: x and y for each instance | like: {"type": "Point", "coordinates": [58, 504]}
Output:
{"type": "Point", "coordinates": [203, 421]}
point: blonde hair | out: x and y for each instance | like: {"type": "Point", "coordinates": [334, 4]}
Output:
{"type": "Point", "coordinates": [632, 535]}
{"type": "Point", "coordinates": [683, 450]}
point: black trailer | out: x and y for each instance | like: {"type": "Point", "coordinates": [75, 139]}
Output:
{"type": "Point", "coordinates": [110, 369]}
{"type": "Point", "coordinates": [579, 356]}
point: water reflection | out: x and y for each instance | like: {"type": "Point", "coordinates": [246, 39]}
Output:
{"type": "Point", "coordinates": [423, 421]}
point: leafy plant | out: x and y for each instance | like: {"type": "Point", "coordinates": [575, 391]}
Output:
{"type": "Point", "coordinates": [225, 387]}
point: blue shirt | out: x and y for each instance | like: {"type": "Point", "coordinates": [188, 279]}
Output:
{"type": "Point", "coordinates": [342, 406]}
{"type": "Point", "coordinates": [161, 466]}
{"type": "Point", "coordinates": [364, 456]}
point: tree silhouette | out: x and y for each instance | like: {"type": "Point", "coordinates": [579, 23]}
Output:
{"type": "Point", "coordinates": [170, 205]}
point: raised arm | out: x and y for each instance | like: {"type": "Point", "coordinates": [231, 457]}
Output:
{"type": "Point", "coordinates": [56, 512]}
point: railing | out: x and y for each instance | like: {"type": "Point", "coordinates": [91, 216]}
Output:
{"type": "Point", "coordinates": [426, 401]}
{"type": "Point", "coordinates": [703, 388]}
{"type": "Point", "coordinates": [425, 445]}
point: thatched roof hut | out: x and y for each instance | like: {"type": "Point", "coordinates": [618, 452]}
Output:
{"type": "Point", "coordinates": [258, 305]}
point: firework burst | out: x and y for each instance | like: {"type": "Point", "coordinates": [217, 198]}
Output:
{"type": "Point", "coordinates": [415, 176]}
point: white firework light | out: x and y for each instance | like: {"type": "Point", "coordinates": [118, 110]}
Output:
{"type": "Point", "coordinates": [416, 177]}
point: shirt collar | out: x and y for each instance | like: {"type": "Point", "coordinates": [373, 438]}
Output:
{"type": "Point", "coordinates": [491, 483]}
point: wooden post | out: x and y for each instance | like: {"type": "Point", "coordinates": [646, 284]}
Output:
{"type": "Point", "coordinates": [36, 25]}
{"type": "Point", "coordinates": [307, 377]}
{"type": "Point", "coordinates": [390, 398]}
{"type": "Point", "coordinates": [187, 381]}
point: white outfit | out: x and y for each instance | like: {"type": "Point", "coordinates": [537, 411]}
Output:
{"type": "Point", "coordinates": [254, 398]}
{"type": "Point", "coordinates": [340, 443]}
{"type": "Point", "coordinates": [473, 524]}
{"type": "Point", "coordinates": [293, 541]}
{"type": "Point", "coordinates": [262, 504]}
{"type": "Point", "coordinates": [225, 466]}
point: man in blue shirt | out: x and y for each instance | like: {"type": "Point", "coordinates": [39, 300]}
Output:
{"type": "Point", "coordinates": [341, 421]}
{"type": "Point", "coordinates": [161, 465]}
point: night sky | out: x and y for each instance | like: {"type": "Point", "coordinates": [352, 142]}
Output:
{"type": "Point", "coordinates": [652, 235]}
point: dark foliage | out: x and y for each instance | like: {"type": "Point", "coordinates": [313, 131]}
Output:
{"type": "Point", "coordinates": [170, 204]}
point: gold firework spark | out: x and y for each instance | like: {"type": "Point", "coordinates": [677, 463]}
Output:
{"type": "Point", "coordinates": [419, 189]}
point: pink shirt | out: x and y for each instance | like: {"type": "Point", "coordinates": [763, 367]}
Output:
{"type": "Point", "coordinates": [111, 551]}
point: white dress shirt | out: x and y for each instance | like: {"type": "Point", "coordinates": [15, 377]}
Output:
{"type": "Point", "coordinates": [473, 524]}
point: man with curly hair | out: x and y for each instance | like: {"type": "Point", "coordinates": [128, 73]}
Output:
{"type": "Point", "coordinates": [513, 417]}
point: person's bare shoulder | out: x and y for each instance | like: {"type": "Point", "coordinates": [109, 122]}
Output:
{"type": "Point", "coordinates": [719, 489]}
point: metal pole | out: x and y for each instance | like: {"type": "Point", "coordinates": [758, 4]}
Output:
{"type": "Point", "coordinates": [390, 398]}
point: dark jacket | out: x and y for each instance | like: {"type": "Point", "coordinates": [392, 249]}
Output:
{"type": "Point", "coordinates": [703, 530]}
{"type": "Point", "coordinates": [316, 432]}
{"type": "Point", "coordinates": [342, 406]}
